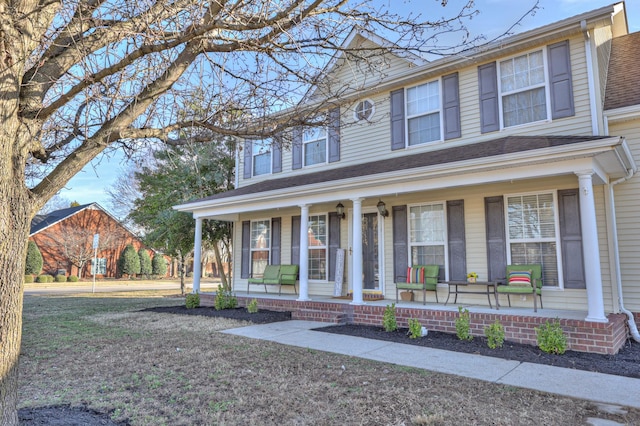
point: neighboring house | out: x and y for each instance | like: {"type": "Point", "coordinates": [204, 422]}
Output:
{"type": "Point", "coordinates": [522, 152]}
{"type": "Point", "coordinates": [65, 239]}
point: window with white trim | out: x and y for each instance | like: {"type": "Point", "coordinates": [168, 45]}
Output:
{"type": "Point", "coordinates": [532, 235]}
{"type": "Point", "coordinates": [314, 140]}
{"type": "Point", "coordinates": [423, 113]}
{"type": "Point", "coordinates": [318, 248]}
{"type": "Point", "coordinates": [523, 89]}
{"type": "Point", "coordinates": [99, 266]}
{"type": "Point", "coordinates": [427, 234]}
{"type": "Point", "coordinates": [261, 157]}
{"type": "Point", "coordinates": [260, 246]}
{"type": "Point", "coordinates": [364, 110]}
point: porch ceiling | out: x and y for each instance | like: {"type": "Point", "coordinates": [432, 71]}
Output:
{"type": "Point", "coordinates": [505, 159]}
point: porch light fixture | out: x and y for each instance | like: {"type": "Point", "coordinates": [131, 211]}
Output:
{"type": "Point", "coordinates": [340, 210]}
{"type": "Point", "coordinates": [382, 208]}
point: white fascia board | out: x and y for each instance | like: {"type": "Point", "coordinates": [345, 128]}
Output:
{"type": "Point", "coordinates": [622, 114]}
{"type": "Point", "coordinates": [522, 165]}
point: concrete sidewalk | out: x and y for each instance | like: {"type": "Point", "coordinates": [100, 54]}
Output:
{"type": "Point", "coordinates": [603, 388]}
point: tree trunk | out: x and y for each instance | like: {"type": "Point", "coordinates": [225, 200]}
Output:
{"type": "Point", "coordinates": [181, 268]}
{"type": "Point", "coordinates": [223, 277]}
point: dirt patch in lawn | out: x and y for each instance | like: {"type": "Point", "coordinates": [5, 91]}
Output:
{"type": "Point", "coordinates": [263, 316]}
{"type": "Point", "coordinates": [147, 368]}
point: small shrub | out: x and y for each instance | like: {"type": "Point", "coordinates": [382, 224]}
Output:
{"type": "Point", "coordinates": [224, 300]}
{"type": "Point", "coordinates": [463, 325]}
{"type": "Point", "coordinates": [44, 278]}
{"type": "Point", "coordinates": [252, 307]}
{"type": "Point", "coordinates": [415, 328]}
{"type": "Point", "coordinates": [28, 278]}
{"type": "Point", "coordinates": [389, 322]}
{"type": "Point", "coordinates": [192, 300]}
{"type": "Point", "coordinates": [72, 278]}
{"type": "Point", "coordinates": [495, 335]}
{"type": "Point", "coordinates": [551, 338]}
{"type": "Point", "coordinates": [61, 278]}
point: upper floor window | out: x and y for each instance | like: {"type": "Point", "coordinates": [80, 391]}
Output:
{"type": "Point", "coordinates": [260, 246]}
{"type": "Point", "coordinates": [261, 157]}
{"type": "Point", "coordinates": [427, 235]}
{"type": "Point", "coordinates": [364, 110]}
{"type": "Point", "coordinates": [314, 140]}
{"type": "Point", "coordinates": [423, 113]}
{"type": "Point", "coordinates": [523, 89]}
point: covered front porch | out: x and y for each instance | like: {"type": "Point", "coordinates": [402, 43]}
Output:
{"type": "Point", "coordinates": [519, 323]}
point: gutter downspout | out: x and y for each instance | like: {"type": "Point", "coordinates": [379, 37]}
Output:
{"type": "Point", "coordinates": [633, 328]}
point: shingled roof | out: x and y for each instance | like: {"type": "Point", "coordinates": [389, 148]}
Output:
{"type": "Point", "coordinates": [41, 221]}
{"type": "Point", "coordinates": [623, 78]}
{"type": "Point", "coordinates": [492, 148]}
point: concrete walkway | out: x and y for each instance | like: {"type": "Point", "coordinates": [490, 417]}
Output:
{"type": "Point", "coordinates": [597, 387]}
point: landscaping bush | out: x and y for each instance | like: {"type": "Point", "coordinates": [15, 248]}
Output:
{"type": "Point", "coordinates": [61, 278]}
{"type": "Point", "coordinates": [495, 335]}
{"type": "Point", "coordinates": [129, 262]}
{"type": "Point", "coordinates": [415, 328]}
{"type": "Point", "coordinates": [28, 278]}
{"type": "Point", "coordinates": [192, 300]}
{"type": "Point", "coordinates": [252, 307]}
{"type": "Point", "coordinates": [34, 262]}
{"type": "Point", "coordinates": [159, 265]}
{"type": "Point", "coordinates": [72, 278]}
{"type": "Point", "coordinates": [224, 300]}
{"type": "Point", "coordinates": [463, 324]}
{"type": "Point", "coordinates": [389, 322]}
{"type": "Point", "coordinates": [145, 262]}
{"type": "Point", "coordinates": [44, 278]}
{"type": "Point", "coordinates": [551, 338]}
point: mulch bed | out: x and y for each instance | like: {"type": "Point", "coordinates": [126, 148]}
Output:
{"type": "Point", "coordinates": [625, 363]}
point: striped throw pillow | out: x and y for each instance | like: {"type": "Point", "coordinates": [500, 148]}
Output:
{"type": "Point", "coordinates": [415, 275]}
{"type": "Point", "coordinates": [520, 278]}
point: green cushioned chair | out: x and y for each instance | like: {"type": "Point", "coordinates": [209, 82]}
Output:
{"type": "Point", "coordinates": [430, 283]}
{"type": "Point", "coordinates": [270, 276]}
{"type": "Point", "coordinates": [288, 276]}
{"type": "Point", "coordinates": [511, 284]}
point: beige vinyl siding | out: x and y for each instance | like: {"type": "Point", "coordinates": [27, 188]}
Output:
{"type": "Point", "coordinates": [602, 40]}
{"type": "Point", "coordinates": [627, 202]}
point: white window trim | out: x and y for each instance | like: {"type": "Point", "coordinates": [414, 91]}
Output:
{"type": "Point", "coordinates": [98, 265]}
{"type": "Point", "coordinates": [252, 250]}
{"type": "Point", "coordinates": [355, 110]}
{"type": "Point", "coordinates": [326, 248]}
{"type": "Point", "coordinates": [440, 111]}
{"type": "Point", "coordinates": [556, 218]}
{"type": "Point", "coordinates": [410, 245]}
{"type": "Point", "coordinates": [547, 89]}
{"type": "Point", "coordinates": [254, 155]}
{"type": "Point", "coordinates": [326, 149]}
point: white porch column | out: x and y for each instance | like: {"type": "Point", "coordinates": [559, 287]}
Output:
{"type": "Point", "coordinates": [356, 261]}
{"type": "Point", "coordinates": [304, 253]}
{"type": "Point", "coordinates": [590, 249]}
{"type": "Point", "coordinates": [197, 256]}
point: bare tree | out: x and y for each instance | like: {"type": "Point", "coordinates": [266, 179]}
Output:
{"type": "Point", "coordinates": [79, 79]}
{"type": "Point", "coordinates": [57, 202]}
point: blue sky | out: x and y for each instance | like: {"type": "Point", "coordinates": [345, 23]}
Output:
{"type": "Point", "coordinates": [495, 17]}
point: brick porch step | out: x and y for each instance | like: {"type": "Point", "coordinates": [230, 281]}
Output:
{"type": "Point", "coordinates": [318, 315]}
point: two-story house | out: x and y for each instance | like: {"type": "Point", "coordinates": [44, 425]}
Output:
{"type": "Point", "coordinates": [523, 152]}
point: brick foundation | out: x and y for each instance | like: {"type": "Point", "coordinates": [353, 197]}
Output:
{"type": "Point", "coordinates": [583, 336]}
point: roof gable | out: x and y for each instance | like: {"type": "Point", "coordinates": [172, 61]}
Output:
{"type": "Point", "coordinates": [623, 77]}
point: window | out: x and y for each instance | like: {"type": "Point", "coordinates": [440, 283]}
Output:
{"type": "Point", "coordinates": [260, 246]}
{"type": "Point", "coordinates": [314, 140]}
{"type": "Point", "coordinates": [261, 157]}
{"type": "Point", "coordinates": [522, 89]}
{"type": "Point", "coordinates": [423, 113]}
{"type": "Point", "coordinates": [99, 266]}
{"type": "Point", "coordinates": [364, 110]}
{"type": "Point", "coordinates": [318, 247]}
{"type": "Point", "coordinates": [531, 233]}
{"type": "Point", "coordinates": [427, 239]}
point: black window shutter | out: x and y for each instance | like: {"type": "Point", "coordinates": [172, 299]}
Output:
{"type": "Point", "coordinates": [296, 148]}
{"type": "Point", "coordinates": [571, 238]}
{"type": "Point", "coordinates": [397, 120]}
{"type": "Point", "coordinates": [334, 243]}
{"type": "Point", "coordinates": [451, 106]}
{"type": "Point", "coordinates": [334, 135]}
{"type": "Point", "coordinates": [400, 243]}
{"type": "Point", "coordinates": [276, 231]}
{"type": "Point", "coordinates": [457, 241]}
{"type": "Point", "coordinates": [295, 240]}
{"type": "Point", "coordinates": [496, 239]}
{"type": "Point", "coordinates": [561, 85]}
{"type": "Point", "coordinates": [276, 155]}
{"type": "Point", "coordinates": [488, 86]}
{"type": "Point", "coordinates": [248, 158]}
{"type": "Point", "coordinates": [245, 268]}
